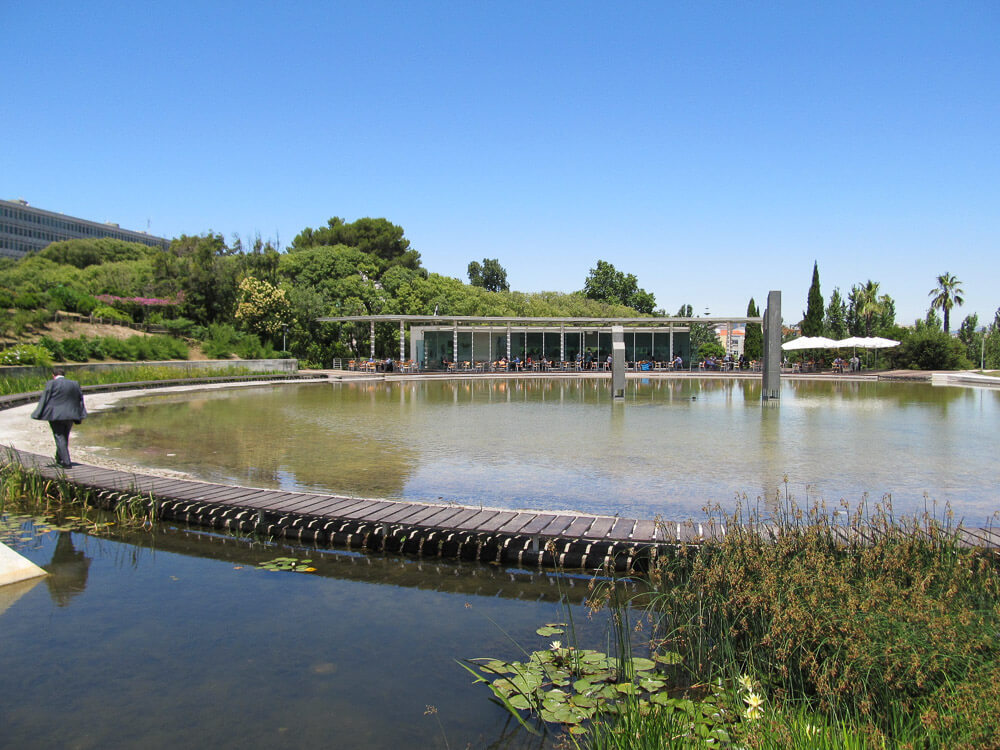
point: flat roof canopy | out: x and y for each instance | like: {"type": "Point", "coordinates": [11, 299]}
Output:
{"type": "Point", "coordinates": [524, 321]}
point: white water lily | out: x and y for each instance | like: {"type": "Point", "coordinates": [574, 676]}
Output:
{"type": "Point", "coordinates": [745, 682]}
{"type": "Point", "coordinates": [555, 645]}
{"type": "Point", "coordinates": [754, 701]}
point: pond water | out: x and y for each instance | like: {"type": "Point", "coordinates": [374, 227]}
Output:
{"type": "Point", "coordinates": [175, 639]}
{"type": "Point", "coordinates": [675, 447]}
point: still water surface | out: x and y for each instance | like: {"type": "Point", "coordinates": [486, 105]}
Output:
{"type": "Point", "coordinates": [674, 448]}
{"type": "Point", "coordinates": [174, 639]}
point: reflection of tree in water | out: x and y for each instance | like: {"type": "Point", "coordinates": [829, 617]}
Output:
{"type": "Point", "coordinates": [68, 570]}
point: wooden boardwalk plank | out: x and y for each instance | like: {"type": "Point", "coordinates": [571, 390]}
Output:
{"type": "Point", "coordinates": [578, 529]}
{"type": "Point", "coordinates": [425, 514]}
{"type": "Point", "coordinates": [622, 530]}
{"type": "Point", "coordinates": [297, 502]}
{"type": "Point", "coordinates": [339, 508]}
{"type": "Point", "coordinates": [440, 519]}
{"type": "Point", "coordinates": [498, 521]}
{"type": "Point", "coordinates": [644, 531]}
{"type": "Point", "coordinates": [557, 526]}
{"type": "Point", "coordinates": [477, 521]}
{"type": "Point", "coordinates": [456, 521]}
{"type": "Point", "coordinates": [538, 523]}
{"type": "Point", "coordinates": [376, 510]}
{"type": "Point", "coordinates": [407, 512]}
{"type": "Point", "coordinates": [517, 523]}
{"type": "Point", "coordinates": [600, 527]}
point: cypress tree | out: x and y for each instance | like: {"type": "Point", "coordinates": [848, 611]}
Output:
{"type": "Point", "coordinates": [812, 320]}
{"type": "Point", "coordinates": [753, 342]}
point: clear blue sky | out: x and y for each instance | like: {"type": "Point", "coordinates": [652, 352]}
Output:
{"type": "Point", "coordinates": [715, 150]}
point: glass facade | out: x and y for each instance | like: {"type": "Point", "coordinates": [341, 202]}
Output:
{"type": "Point", "coordinates": [482, 347]}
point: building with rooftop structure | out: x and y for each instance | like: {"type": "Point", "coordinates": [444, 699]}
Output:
{"type": "Point", "coordinates": [25, 229]}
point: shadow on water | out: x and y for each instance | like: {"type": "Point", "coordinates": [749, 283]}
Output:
{"type": "Point", "coordinates": [177, 638]}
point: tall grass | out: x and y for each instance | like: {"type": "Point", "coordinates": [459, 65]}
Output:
{"type": "Point", "coordinates": [112, 376]}
{"type": "Point", "coordinates": [880, 633]}
{"type": "Point", "coordinates": [25, 491]}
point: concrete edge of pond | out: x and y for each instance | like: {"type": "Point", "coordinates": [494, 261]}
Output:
{"type": "Point", "coordinates": [14, 568]}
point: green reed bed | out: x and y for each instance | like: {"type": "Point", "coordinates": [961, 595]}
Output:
{"type": "Point", "coordinates": [29, 383]}
{"type": "Point", "coordinates": [23, 491]}
{"type": "Point", "coordinates": [797, 633]}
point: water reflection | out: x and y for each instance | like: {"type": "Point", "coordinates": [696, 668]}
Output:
{"type": "Point", "coordinates": [67, 571]}
{"type": "Point", "coordinates": [677, 446]}
{"type": "Point", "coordinates": [180, 641]}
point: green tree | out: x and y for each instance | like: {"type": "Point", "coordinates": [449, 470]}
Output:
{"type": "Point", "coordinates": [812, 318]}
{"type": "Point", "coordinates": [685, 311]}
{"type": "Point", "coordinates": [262, 308]}
{"type": "Point", "coordinates": [868, 311]}
{"type": "Point", "coordinates": [376, 237]}
{"type": "Point", "coordinates": [490, 275]}
{"type": "Point", "coordinates": [208, 275]}
{"type": "Point", "coordinates": [946, 295]}
{"type": "Point", "coordinates": [607, 284]}
{"type": "Point", "coordinates": [972, 338]}
{"type": "Point", "coordinates": [753, 341]}
{"type": "Point", "coordinates": [835, 322]}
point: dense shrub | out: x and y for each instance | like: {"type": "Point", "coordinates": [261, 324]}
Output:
{"type": "Point", "coordinates": [929, 349]}
{"type": "Point", "coordinates": [76, 350]}
{"type": "Point", "coordinates": [132, 349]}
{"type": "Point", "coordinates": [54, 347]}
{"type": "Point", "coordinates": [6, 299]}
{"type": "Point", "coordinates": [29, 301]}
{"type": "Point", "coordinates": [104, 312]}
{"type": "Point", "coordinates": [72, 300]}
{"type": "Point", "coordinates": [26, 355]}
{"type": "Point", "coordinates": [179, 326]}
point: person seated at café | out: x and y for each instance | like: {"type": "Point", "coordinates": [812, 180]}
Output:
{"type": "Point", "coordinates": [678, 362]}
{"type": "Point", "coordinates": [743, 361]}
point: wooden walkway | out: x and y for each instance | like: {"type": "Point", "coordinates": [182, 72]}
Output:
{"type": "Point", "coordinates": [572, 540]}
{"type": "Point", "coordinates": [523, 537]}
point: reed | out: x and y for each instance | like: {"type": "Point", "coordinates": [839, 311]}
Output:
{"type": "Point", "coordinates": [878, 633]}
{"type": "Point", "coordinates": [23, 490]}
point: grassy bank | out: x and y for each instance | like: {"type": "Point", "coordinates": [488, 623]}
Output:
{"type": "Point", "coordinates": [125, 374]}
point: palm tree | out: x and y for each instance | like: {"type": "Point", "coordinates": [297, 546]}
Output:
{"type": "Point", "coordinates": [870, 304]}
{"type": "Point", "coordinates": [946, 295]}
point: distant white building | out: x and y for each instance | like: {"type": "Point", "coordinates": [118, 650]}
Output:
{"type": "Point", "coordinates": [732, 339]}
{"type": "Point", "coordinates": [24, 229]}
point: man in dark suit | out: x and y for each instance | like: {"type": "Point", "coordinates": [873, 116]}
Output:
{"type": "Point", "coordinates": [61, 406]}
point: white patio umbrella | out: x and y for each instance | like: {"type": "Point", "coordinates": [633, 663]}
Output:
{"type": "Point", "coordinates": [809, 342]}
{"type": "Point", "coordinates": [877, 342]}
{"type": "Point", "coordinates": [853, 341]}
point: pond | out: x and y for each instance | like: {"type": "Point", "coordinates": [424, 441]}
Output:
{"type": "Point", "coordinates": [176, 639]}
{"type": "Point", "coordinates": [675, 447]}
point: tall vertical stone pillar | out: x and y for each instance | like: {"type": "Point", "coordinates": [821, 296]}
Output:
{"type": "Point", "coordinates": [771, 376]}
{"type": "Point", "coordinates": [617, 362]}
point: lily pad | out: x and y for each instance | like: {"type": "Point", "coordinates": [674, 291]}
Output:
{"type": "Point", "coordinates": [668, 657]}
{"type": "Point", "coordinates": [548, 630]}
